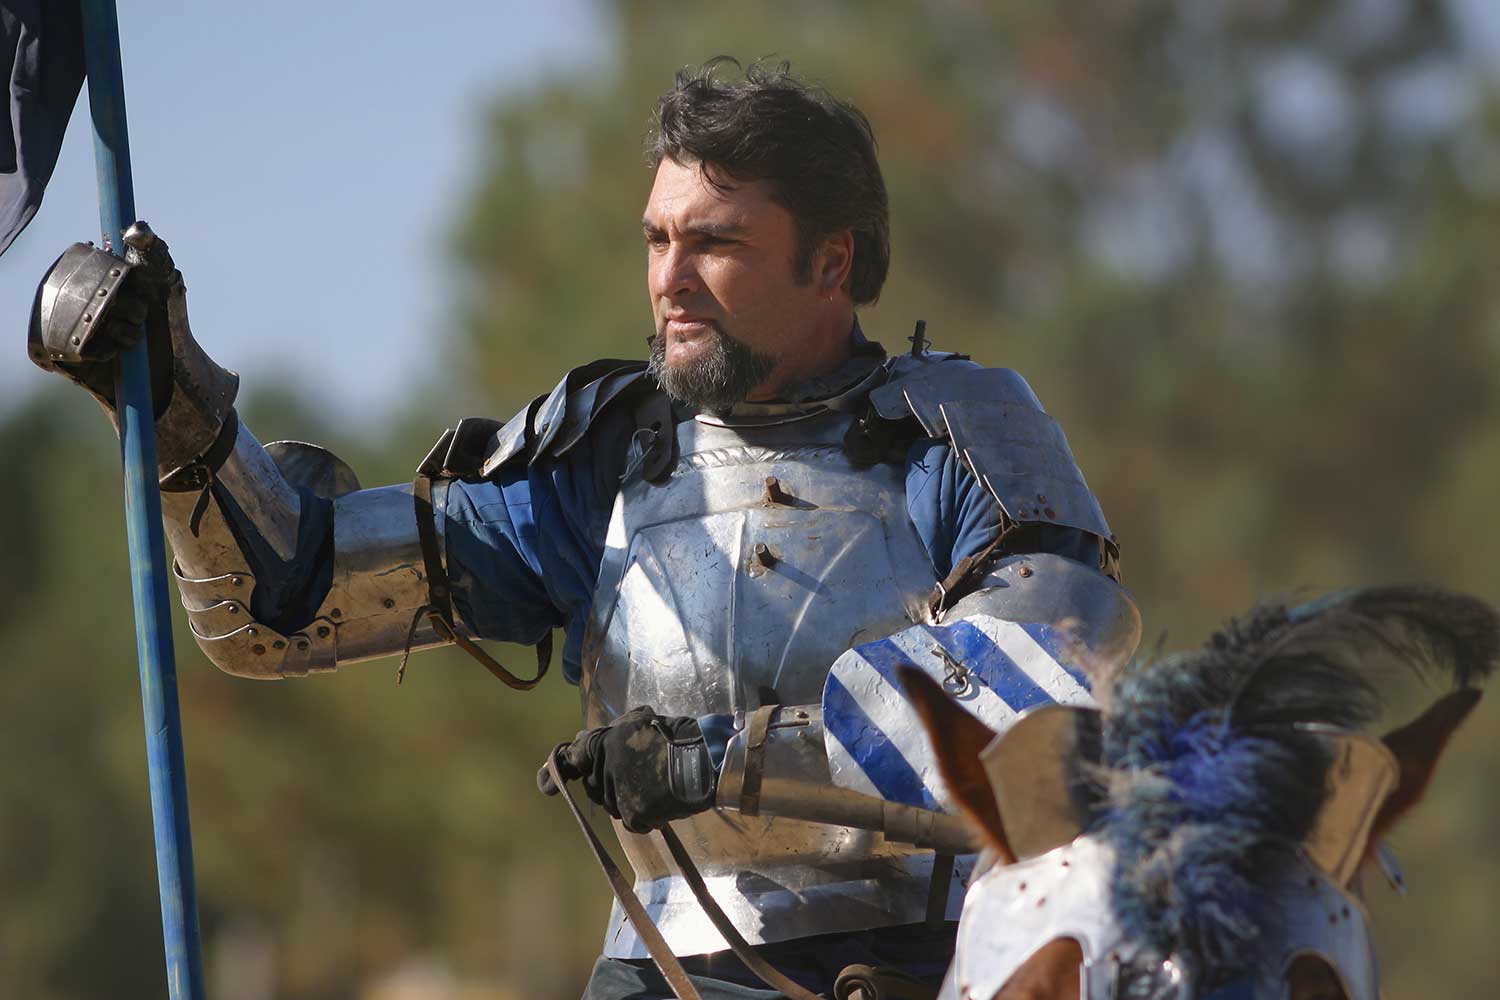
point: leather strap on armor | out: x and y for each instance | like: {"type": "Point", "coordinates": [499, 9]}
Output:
{"type": "Point", "coordinates": [439, 607]}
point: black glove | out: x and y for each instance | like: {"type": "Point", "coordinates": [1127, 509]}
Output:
{"type": "Point", "coordinates": [139, 306]}
{"type": "Point", "coordinates": [644, 769]}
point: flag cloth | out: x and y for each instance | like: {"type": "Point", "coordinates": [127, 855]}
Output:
{"type": "Point", "coordinates": [42, 43]}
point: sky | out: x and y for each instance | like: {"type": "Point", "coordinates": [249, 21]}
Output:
{"type": "Point", "coordinates": [305, 162]}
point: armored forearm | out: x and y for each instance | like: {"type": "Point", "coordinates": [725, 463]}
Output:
{"type": "Point", "coordinates": [285, 566]}
{"type": "Point", "coordinates": [270, 508]}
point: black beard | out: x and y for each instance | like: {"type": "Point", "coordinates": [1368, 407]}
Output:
{"type": "Point", "coordinates": [723, 378]}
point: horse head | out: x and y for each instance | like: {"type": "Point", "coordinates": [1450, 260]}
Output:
{"type": "Point", "coordinates": [1198, 835]}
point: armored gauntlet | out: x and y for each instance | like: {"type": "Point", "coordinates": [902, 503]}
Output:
{"type": "Point", "coordinates": [92, 305]}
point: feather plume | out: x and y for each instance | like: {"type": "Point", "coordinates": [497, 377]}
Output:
{"type": "Point", "coordinates": [1210, 778]}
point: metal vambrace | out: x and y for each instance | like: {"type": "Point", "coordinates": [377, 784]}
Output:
{"type": "Point", "coordinates": [775, 765]}
{"type": "Point", "coordinates": [379, 590]}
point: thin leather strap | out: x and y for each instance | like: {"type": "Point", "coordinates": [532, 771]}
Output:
{"type": "Point", "coordinates": [439, 609]}
{"type": "Point", "coordinates": [757, 728]}
{"type": "Point", "coordinates": [671, 969]}
{"type": "Point", "coordinates": [737, 944]}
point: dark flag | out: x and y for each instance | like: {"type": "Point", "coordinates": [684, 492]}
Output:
{"type": "Point", "coordinates": [42, 43]}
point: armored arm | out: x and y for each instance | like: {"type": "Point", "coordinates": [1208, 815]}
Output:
{"type": "Point", "coordinates": [284, 565]}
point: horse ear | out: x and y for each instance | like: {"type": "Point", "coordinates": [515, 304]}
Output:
{"type": "Point", "coordinates": [1417, 747]}
{"type": "Point", "coordinates": [958, 738]}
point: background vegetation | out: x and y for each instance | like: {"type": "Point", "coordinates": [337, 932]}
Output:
{"type": "Point", "coordinates": [1241, 248]}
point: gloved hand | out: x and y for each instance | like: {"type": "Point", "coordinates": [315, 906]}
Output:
{"type": "Point", "coordinates": [117, 323]}
{"type": "Point", "coordinates": [644, 769]}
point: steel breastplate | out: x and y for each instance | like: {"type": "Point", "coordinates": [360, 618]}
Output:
{"type": "Point", "coordinates": [721, 590]}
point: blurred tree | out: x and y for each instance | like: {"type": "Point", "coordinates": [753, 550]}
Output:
{"type": "Point", "coordinates": [1238, 246]}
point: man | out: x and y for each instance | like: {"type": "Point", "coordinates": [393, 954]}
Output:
{"type": "Point", "coordinates": [711, 528]}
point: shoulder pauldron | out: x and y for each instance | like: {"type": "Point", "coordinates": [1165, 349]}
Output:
{"type": "Point", "coordinates": [1002, 435]}
{"type": "Point", "coordinates": [552, 424]}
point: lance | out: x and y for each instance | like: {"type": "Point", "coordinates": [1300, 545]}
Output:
{"type": "Point", "coordinates": [148, 571]}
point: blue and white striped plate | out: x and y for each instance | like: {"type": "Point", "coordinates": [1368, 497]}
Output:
{"type": "Point", "coordinates": [996, 669]}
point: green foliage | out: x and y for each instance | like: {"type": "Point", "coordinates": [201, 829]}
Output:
{"type": "Point", "coordinates": [1272, 343]}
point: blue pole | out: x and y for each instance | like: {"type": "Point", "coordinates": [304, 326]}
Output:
{"type": "Point", "coordinates": [148, 568]}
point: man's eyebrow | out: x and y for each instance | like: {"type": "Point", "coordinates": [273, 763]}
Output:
{"type": "Point", "coordinates": [705, 228]}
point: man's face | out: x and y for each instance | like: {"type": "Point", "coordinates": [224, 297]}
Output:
{"type": "Point", "coordinates": [725, 294]}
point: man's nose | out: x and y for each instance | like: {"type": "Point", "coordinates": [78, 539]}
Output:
{"type": "Point", "coordinates": [673, 274]}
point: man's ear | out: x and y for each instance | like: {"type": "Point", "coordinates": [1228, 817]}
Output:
{"type": "Point", "coordinates": [832, 261]}
{"type": "Point", "coordinates": [958, 738]}
{"type": "Point", "coordinates": [1417, 747]}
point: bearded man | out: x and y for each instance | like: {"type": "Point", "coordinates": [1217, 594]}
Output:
{"type": "Point", "coordinates": [711, 528]}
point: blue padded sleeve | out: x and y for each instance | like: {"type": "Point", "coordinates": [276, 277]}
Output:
{"type": "Point", "coordinates": [956, 516]}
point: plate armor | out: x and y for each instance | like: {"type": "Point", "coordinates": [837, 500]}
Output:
{"type": "Point", "coordinates": [718, 595]}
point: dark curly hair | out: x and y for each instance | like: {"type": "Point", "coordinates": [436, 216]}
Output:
{"type": "Point", "coordinates": [817, 152]}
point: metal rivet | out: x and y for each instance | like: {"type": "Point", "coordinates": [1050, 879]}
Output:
{"type": "Point", "coordinates": [251, 631]}
{"type": "Point", "coordinates": [279, 644]}
{"type": "Point", "coordinates": [76, 341]}
{"type": "Point", "coordinates": [322, 631]}
{"type": "Point", "coordinates": [1025, 571]}
{"type": "Point", "coordinates": [763, 555]}
{"type": "Point", "coordinates": [114, 272]}
{"type": "Point", "coordinates": [102, 293]}
{"type": "Point", "coordinates": [258, 649]}
{"type": "Point", "coordinates": [388, 603]}
{"type": "Point", "coordinates": [233, 609]}
{"type": "Point", "coordinates": [236, 580]}
{"type": "Point", "coordinates": [775, 494]}
{"type": "Point", "coordinates": [88, 317]}
{"type": "Point", "coordinates": [302, 644]}
{"type": "Point", "coordinates": [337, 613]}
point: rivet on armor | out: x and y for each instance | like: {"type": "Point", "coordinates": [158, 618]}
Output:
{"type": "Point", "coordinates": [337, 612]}
{"type": "Point", "coordinates": [233, 609]}
{"type": "Point", "coordinates": [775, 494]}
{"type": "Point", "coordinates": [388, 603]}
{"type": "Point", "coordinates": [302, 644]}
{"type": "Point", "coordinates": [763, 555]}
{"type": "Point", "coordinates": [1025, 571]}
{"type": "Point", "coordinates": [103, 293]}
{"type": "Point", "coordinates": [258, 649]}
{"type": "Point", "coordinates": [251, 631]}
{"type": "Point", "coordinates": [237, 580]}
{"type": "Point", "coordinates": [114, 272]}
{"type": "Point", "coordinates": [88, 317]}
{"type": "Point", "coordinates": [322, 631]}
{"type": "Point", "coordinates": [77, 341]}
{"type": "Point", "coordinates": [279, 644]}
